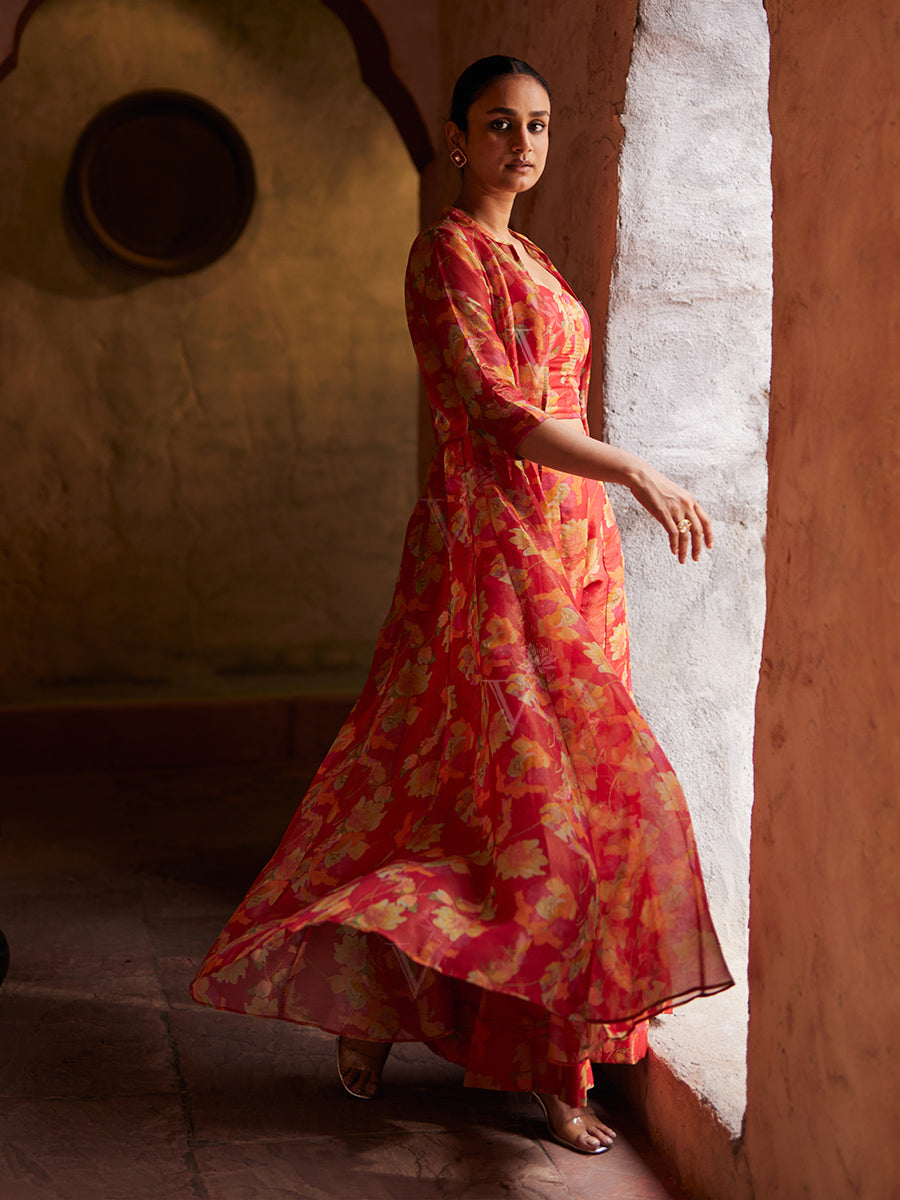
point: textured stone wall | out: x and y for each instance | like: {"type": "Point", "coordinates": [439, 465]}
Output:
{"type": "Point", "coordinates": [824, 999]}
{"type": "Point", "coordinates": [687, 371]}
{"type": "Point", "coordinates": [205, 477]}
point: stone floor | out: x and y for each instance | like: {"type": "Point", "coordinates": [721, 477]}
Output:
{"type": "Point", "coordinates": [115, 1086]}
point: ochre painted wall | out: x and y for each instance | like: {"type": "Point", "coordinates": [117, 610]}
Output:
{"type": "Point", "coordinates": [824, 1000]}
{"type": "Point", "coordinates": [206, 478]}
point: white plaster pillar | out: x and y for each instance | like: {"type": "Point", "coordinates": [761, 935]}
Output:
{"type": "Point", "coordinates": [687, 369]}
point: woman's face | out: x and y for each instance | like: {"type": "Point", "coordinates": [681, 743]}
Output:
{"type": "Point", "coordinates": [508, 136]}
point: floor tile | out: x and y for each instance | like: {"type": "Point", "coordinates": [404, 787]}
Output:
{"type": "Point", "coordinates": [413, 1166]}
{"type": "Point", "coordinates": [55, 1046]}
{"type": "Point", "coordinates": [124, 1149]}
{"type": "Point", "coordinates": [89, 943]}
{"type": "Point", "coordinates": [168, 899]}
{"type": "Point", "coordinates": [179, 946]}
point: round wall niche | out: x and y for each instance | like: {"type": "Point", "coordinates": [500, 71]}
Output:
{"type": "Point", "coordinates": [162, 181]}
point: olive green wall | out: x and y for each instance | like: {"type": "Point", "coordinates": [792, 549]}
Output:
{"type": "Point", "coordinates": [206, 478]}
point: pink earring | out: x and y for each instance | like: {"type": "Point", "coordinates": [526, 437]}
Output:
{"type": "Point", "coordinates": [458, 158]}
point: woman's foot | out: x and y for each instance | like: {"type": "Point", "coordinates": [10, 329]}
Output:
{"type": "Point", "coordinates": [360, 1064]}
{"type": "Point", "coordinates": [577, 1128]}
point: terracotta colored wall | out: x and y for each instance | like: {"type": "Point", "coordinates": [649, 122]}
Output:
{"type": "Point", "coordinates": [583, 52]}
{"type": "Point", "coordinates": [823, 1058]}
{"type": "Point", "coordinates": [206, 477]}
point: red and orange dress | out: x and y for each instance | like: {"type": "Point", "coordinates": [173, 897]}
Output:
{"type": "Point", "coordinates": [495, 857]}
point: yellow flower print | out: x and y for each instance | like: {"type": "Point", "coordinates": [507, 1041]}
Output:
{"type": "Point", "coordinates": [498, 632]}
{"type": "Point", "coordinates": [353, 991]}
{"type": "Point", "coordinates": [499, 971]}
{"type": "Point", "coordinates": [354, 848]}
{"type": "Point", "coordinates": [559, 901]}
{"type": "Point", "coordinates": [560, 624]}
{"type": "Point", "coordinates": [540, 933]}
{"type": "Point", "coordinates": [234, 972]}
{"type": "Point", "coordinates": [557, 817]}
{"type": "Point", "coordinates": [261, 1000]}
{"type": "Point", "coordinates": [200, 988]}
{"type": "Point", "coordinates": [388, 914]}
{"type": "Point", "coordinates": [618, 643]}
{"type": "Point", "coordinates": [459, 741]}
{"type": "Point", "coordinates": [413, 679]}
{"type": "Point", "coordinates": [524, 539]}
{"type": "Point", "coordinates": [366, 815]}
{"type": "Point", "coordinates": [455, 924]}
{"type": "Point", "coordinates": [550, 983]}
{"type": "Point", "coordinates": [598, 656]}
{"type": "Point", "coordinates": [260, 954]}
{"type": "Point", "coordinates": [669, 790]}
{"type": "Point", "coordinates": [350, 951]}
{"type": "Point", "coordinates": [266, 892]}
{"type": "Point", "coordinates": [329, 907]}
{"type": "Point", "coordinates": [521, 860]}
{"type": "Point", "coordinates": [530, 756]}
{"type": "Point", "coordinates": [420, 782]}
{"type": "Point", "coordinates": [424, 837]}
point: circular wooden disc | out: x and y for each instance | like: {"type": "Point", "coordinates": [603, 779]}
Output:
{"type": "Point", "coordinates": [162, 181]}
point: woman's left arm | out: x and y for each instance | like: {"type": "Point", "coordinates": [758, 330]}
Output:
{"type": "Point", "coordinates": [563, 448]}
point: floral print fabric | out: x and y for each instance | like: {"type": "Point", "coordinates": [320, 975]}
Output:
{"type": "Point", "coordinates": [495, 856]}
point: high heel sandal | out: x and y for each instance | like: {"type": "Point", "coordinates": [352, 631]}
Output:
{"type": "Point", "coordinates": [344, 1085]}
{"type": "Point", "coordinates": [600, 1149]}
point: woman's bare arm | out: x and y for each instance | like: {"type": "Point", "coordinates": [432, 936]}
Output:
{"type": "Point", "coordinates": [561, 446]}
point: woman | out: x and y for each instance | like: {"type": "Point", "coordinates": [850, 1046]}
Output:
{"type": "Point", "coordinates": [495, 857]}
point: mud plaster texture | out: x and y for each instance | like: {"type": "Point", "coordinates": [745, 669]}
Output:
{"type": "Point", "coordinates": [824, 995]}
{"type": "Point", "coordinates": [206, 477]}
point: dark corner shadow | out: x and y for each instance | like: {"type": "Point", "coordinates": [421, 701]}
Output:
{"type": "Point", "coordinates": [207, 829]}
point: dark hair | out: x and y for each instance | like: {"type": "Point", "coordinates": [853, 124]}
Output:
{"type": "Point", "coordinates": [477, 78]}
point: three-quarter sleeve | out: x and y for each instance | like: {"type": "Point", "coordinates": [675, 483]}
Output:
{"type": "Point", "coordinates": [472, 371]}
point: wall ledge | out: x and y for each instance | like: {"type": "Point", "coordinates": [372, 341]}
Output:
{"type": "Point", "coordinates": [705, 1045]}
{"type": "Point", "coordinates": [187, 732]}
{"type": "Point", "coordinates": [690, 1092]}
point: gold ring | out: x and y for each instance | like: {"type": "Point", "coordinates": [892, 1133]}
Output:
{"type": "Point", "coordinates": [683, 525]}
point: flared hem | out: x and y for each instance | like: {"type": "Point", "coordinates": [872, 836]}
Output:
{"type": "Point", "coordinates": [499, 1036]}
{"type": "Point", "coordinates": [618, 1023]}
